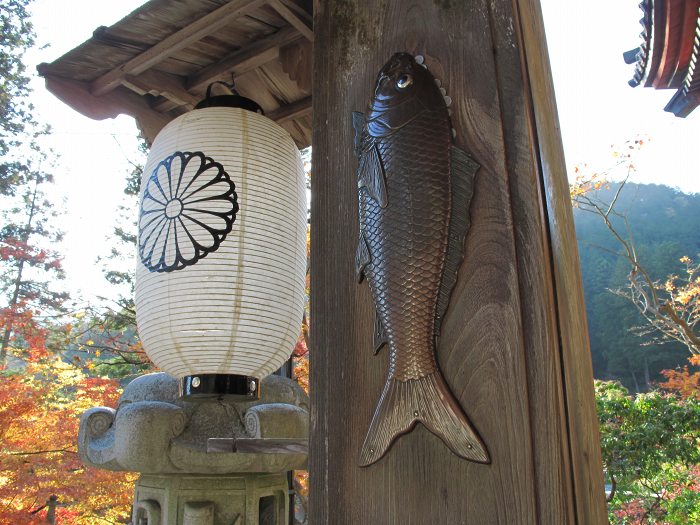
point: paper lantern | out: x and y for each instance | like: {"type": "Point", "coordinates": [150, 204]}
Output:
{"type": "Point", "coordinates": [221, 249]}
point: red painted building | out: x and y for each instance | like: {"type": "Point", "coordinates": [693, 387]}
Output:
{"type": "Point", "coordinates": [668, 55]}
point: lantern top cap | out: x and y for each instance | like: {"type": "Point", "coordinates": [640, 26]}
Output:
{"type": "Point", "coordinates": [229, 98]}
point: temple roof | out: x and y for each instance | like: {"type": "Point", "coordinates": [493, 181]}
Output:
{"type": "Point", "coordinates": [157, 62]}
{"type": "Point", "coordinates": [669, 51]}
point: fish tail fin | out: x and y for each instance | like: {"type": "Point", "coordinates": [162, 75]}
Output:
{"type": "Point", "coordinates": [430, 401]}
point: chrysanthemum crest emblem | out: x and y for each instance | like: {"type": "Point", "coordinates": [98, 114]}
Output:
{"type": "Point", "coordinates": [188, 208]}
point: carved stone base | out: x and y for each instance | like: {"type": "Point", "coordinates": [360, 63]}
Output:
{"type": "Point", "coordinates": [216, 463]}
{"type": "Point", "coordinates": [248, 499]}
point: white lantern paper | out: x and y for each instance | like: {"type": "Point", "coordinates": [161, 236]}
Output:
{"type": "Point", "coordinates": [222, 246]}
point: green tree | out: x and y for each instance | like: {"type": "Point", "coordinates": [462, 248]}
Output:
{"type": "Point", "coordinates": [111, 330]}
{"type": "Point", "coordinates": [124, 235]}
{"type": "Point", "coordinates": [631, 237]}
{"type": "Point", "coordinates": [27, 261]}
{"type": "Point", "coordinates": [649, 444]}
{"type": "Point", "coordinates": [16, 36]}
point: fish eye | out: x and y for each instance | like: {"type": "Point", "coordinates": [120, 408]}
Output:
{"type": "Point", "coordinates": [404, 81]}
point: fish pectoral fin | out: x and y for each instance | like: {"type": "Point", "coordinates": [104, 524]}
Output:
{"type": "Point", "coordinates": [371, 176]}
{"type": "Point", "coordinates": [380, 337]}
{"type": "Point", "coordinates": [358, 122]}
{"type": "Point", "coordinates": [362, 258]}
{"type": "Point", "coordinates": [430, 401]}
{"type": "Point", "coordinates": [463, 170]}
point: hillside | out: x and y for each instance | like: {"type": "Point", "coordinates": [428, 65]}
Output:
{"type": "Point", "coordinates": [664, 224]}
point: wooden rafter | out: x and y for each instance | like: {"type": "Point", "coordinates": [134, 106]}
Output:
{"type": "Point", "coordinates": [292, 19]}
{"type": "Point", "coordinates": [77, 95]}
{"type": "Point", "coordinates": [196, 31]}
{"type": "Point", "coordinates": [155, 90]}
{"type": "Point", "coordinates": [291, 111]}
{"type": "Point", "coordinates": [251, 57]}
{"type": "Point", "coordinates": [161, 84]}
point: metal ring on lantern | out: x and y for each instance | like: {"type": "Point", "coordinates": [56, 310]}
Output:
{"type": "Point", "coordinates": [203, 387]}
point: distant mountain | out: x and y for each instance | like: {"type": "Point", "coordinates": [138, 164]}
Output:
{"type": "Point", "coordinates": [665, 225]}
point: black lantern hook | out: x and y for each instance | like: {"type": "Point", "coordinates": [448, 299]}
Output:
{"type": "Point", "coordinates": [230, 101]}
{"type": "Point", "coordinates": [231, 86]}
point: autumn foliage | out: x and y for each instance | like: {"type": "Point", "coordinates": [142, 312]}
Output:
{"type": "Point", "coordinates": [40, 408]}
{"type": "Point", "coordinates": [650, 442]}
{"type": "Point", "coordinates": [685, 381]}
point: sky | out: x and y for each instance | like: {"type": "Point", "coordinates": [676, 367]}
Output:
{"type": "Point", "coordinates": [597, 110]}
{"type": "Point", "coordinates": [93, 155]}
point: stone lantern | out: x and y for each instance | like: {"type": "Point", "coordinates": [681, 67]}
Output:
{"type": "Point", "coordinates": [214, 463]}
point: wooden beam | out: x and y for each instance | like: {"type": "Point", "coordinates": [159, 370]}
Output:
{"type": "Point", "coordinates": [513, 343]}
{"type": "Point", "coordinates": [164, 105]}
{"type": "Point", "coordinates": [77, 95]}
{"type": "Point", "coordinates": [291, 111]}
{"type": "Point", "coordinates": [195, 31]}
{"type": "Point", "coordinates": [283, 114]}
{"type": "Point", "coordinates": [579, 408]}
{"type": "Point", "coordinates": [251, 57]}
{"type": "Point", "coordinates": [297, 61]}
{"type": "Point", "coordinates": [300, 11]}
{"type": "Point", "coordinates": [292, 19]}
{"type": "Point", "coordinates": [161, 84]}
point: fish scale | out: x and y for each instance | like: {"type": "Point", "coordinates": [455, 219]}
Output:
{"type": "Point", "coordinates": [403, 267]}
{"type": "Point", "coordinates": [414, 193]}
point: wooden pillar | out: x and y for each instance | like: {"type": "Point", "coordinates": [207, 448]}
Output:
{"type": "Point", "coordinates": [514, 345]}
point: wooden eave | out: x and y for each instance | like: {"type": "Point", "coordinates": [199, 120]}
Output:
{"type": "Point", "coordinates": [156, 63]}
{"type": "Point", "coordinates": [669, 50]}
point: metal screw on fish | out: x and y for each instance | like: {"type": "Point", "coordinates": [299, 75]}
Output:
{"type": "Point", "coordinates": [196, 382]}
{"type": "Point", "coordinates": [252, 386]}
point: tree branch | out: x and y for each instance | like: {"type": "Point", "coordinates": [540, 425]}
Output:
{"type": "Point", "coordinates": [67, 449]}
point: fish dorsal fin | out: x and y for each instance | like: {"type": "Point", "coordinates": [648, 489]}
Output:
{"type": "Point", "coordinates": [362, 258]}
{"type": "Point", "coordinates": [380, 337]}
{"type": "Point", "coordinates": [358, 122]}
{"type": "Point", "coordinates": [462, 171]}
{"type": "Point", "coordinates": [371, 176]}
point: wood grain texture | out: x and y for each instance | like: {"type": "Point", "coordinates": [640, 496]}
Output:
{"type": "Point", "coordinates": [292, 18]}
{"type": "Point", "coordinates": [195, 31]}
{"type": "Point", "coordinates": [500, 351]}
{"type": "Point", "coordinates": [244, 60]}
{"type": "Point", "coordinates": [577, 369]}
{"type": "Point", "coordinates": [168, 86]}
{"type": "Point", "coordinates": [77, 95]}
{"type": "Point", "coordinates": [169, 51]}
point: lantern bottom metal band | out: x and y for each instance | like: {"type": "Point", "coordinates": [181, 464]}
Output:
{"type": "Point", "coordinates": [211, 387]}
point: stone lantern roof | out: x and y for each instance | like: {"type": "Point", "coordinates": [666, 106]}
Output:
{"type": "Point", "coordinates": [668, 54]}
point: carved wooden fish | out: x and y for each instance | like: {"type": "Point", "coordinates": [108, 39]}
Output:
{"type": "Point", "coordinates": [414, 193]}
